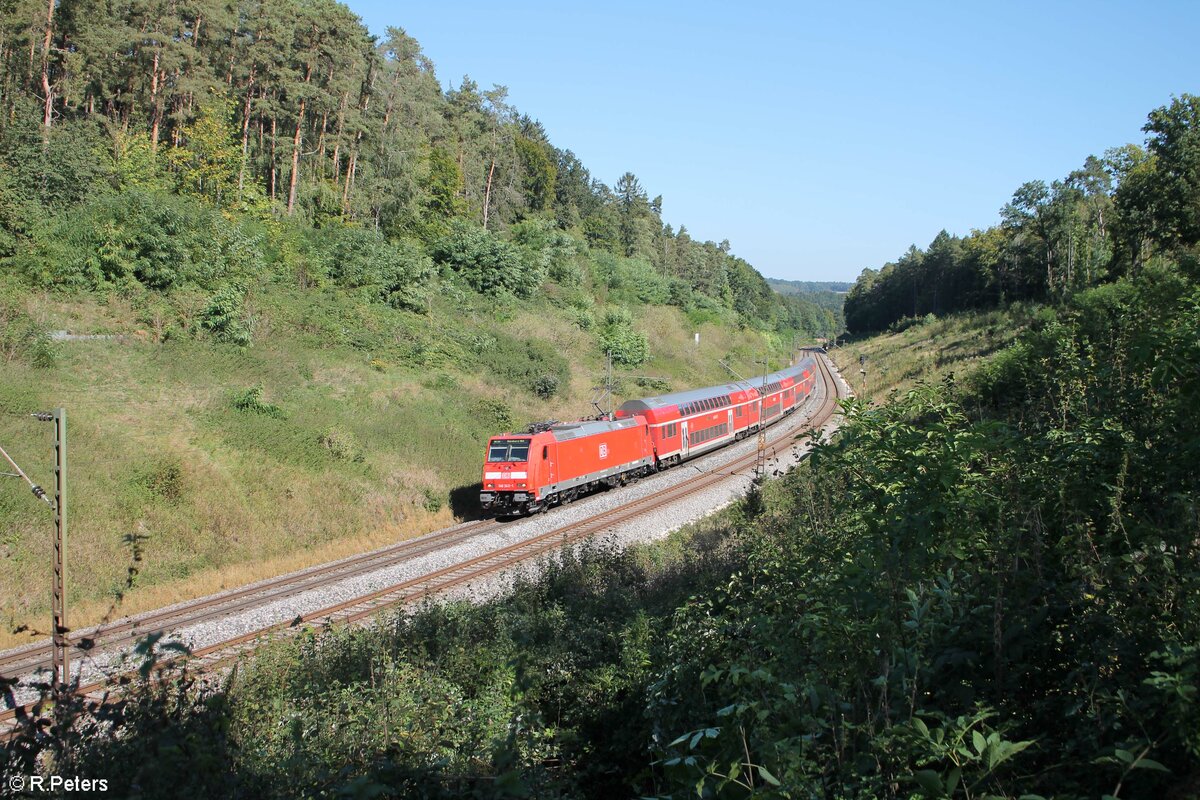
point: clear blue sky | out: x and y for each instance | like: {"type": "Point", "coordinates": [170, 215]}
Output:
{"type": "Point", "coordinates": [821, 139]}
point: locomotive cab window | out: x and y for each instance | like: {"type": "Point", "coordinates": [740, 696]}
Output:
{"type": "Point", "coordinates": [509, 450]}
{"type": "Point", "coordinates": [545, 451]}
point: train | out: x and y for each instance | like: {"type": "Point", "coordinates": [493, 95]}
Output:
{"type": "Point", "coordinates": [553, 463]}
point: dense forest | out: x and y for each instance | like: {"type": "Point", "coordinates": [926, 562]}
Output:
{"type": "Point", "coordinates": [125, 128]}
{"type": "Point", "coordinates": [1107, 219]}
{"type": "Point", "coordinates": [830, 295]}
{"type": "Point", "coordinates": [808, 287]}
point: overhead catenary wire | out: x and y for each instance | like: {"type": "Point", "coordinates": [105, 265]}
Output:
{"type": "Point", "coordinates": [38, 491]}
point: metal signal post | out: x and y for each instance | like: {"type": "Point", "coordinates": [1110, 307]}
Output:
{"type": "Point", "coordinates": [61, 659]}
{"type": "Point", "coordinates": [62, 653]}
{"type": "Point", "coordinates": [760, 459]}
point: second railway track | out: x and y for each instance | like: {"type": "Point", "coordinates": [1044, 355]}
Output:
{"type": "Point", "coordinates": [124, 631]}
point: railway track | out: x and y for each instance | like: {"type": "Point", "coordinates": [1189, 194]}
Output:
{"type": "Point", "coordinates": [124, 631]}
{"type": "Point", "coordinates": [408, 591]}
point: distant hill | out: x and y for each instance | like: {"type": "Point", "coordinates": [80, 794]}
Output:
{"type": "Point", "coordinates": [830, 295]}
{"type": "Point", "coordinates": [808, 287]}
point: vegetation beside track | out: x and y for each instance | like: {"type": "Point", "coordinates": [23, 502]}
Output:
{"type": "Point", "coordinates": [987, 585]}
{"type": "Point", "coordinates": [927, 350]}
{"type": "Point", "coordinates": [345, 425]}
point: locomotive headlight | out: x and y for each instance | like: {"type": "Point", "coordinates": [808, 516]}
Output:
{"type": "Point", "coordinates": [521, 485]}
{"type": "Point", "coordinates": [490, 485]}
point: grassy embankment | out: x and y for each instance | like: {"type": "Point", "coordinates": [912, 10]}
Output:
{"type": "Point", "coordinates": [368, 429]}
{"type": "Point", "coordinates": [929, 350]}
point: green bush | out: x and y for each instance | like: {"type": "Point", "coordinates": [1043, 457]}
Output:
{"type": "Point", "coordinates": [628, 347]}
{"type": "Point", "coordinates": [225, 317]}
{"type": "Point", "coordinates": [987, 544]}
{"type": "Point", "coordinates": [630, 279]}
{"type": "Point", "coordinates": [552, 249]}
{"type": "Point", "coordinates": [545, 386]}
{"type": "Point", "coordinates": [533, 364]}
{"type": "Point", "coordinates": [342, 445]}
{"type": "Point", "coordinates": [656, 385]}
{"type": "Point", "coordinates": [395, 272]}
{"type": "Point", "coordinates": [680, 294]}
{"type": "Point", "coordinates": [250, 400]}
{"type": "Point", "coordinates": [148, 239]}
{"type": "Point", "coordinates": [431, 503]}
{"type": "Point", "coordinates": [585, 319]}
{"type": "Point", "coordinates": [487, 263]}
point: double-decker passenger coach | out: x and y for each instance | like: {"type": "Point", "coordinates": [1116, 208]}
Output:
{"type": "Point", "coordinates": [686, 424]}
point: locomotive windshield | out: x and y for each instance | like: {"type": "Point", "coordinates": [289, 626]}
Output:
{"type": "Point", "coordinates": [509, 450]}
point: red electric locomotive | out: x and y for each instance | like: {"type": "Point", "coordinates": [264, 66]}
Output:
{"type": "Point", "coordinates": [555, 462]}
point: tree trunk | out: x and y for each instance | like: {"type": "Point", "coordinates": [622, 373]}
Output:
{"type": "Point", "coordinates": [48, 114]}
{"type": "Point", "coordinates": [154, 101]}
{"type": "Point", "coordinates": [321, 141]}
{"type": "Point", "coordinates": [487, 195]}
{"type": "Point", "coordinates": [296, 140]}
{"type": "Point", "coordinates": [291, 203]}
{"type": "Point", "coordinates": [350, 173]}
{"type": "Point", "coordinates": [274, 168]}
{"type": "Point", "coordinates": [337, 140]}
{"type": "Point", "coordinates": [245, 134]}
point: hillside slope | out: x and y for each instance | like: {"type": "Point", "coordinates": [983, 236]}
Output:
{"type": "Point", "coordinates": [197, 464]}
{"type": "Point", "coordinates": [327, 280]}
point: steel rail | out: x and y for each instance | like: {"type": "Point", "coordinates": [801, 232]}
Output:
{"type": "Point", "coordinates": [29, 658]}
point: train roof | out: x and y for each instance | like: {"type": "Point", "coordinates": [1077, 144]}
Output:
{"type": "Point", "coordinates": [681, 398]}
{"type": "Point", "coordinates": [565, 431]}
{"type": "Point", "coordinates": [791, 372]}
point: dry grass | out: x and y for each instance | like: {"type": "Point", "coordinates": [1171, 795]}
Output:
{"type": "Point", "coordinates": [93, 611]}
{"type": "Point", "coordinates": [927, 352]}
{"type": "Point", "coordinates": [253, 496]}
